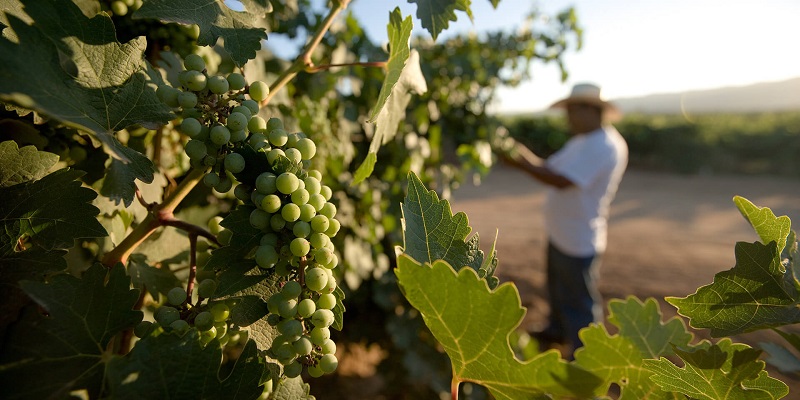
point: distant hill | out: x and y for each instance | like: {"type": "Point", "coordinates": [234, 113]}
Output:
{"type": "Point", "coordinates": [759, 97]}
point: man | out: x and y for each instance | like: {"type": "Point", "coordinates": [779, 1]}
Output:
{"type": "Point", "coordinates": [582, 179]}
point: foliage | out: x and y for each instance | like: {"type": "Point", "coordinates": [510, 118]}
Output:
{"type": "Point", "coordinates": [473, 321]}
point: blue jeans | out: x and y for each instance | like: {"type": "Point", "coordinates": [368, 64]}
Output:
{"type": "Point", "coordinates": [575, 301]}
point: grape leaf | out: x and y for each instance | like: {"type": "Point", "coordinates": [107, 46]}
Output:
{"type": "Point", "coordinates": [245, 238]}
{"type": "Point", "coordinates": [618, 358]}
{"type": "Point", "coordinates": [18, 165]}
{"type": "Point", "coordinates": [399, 31]}
{"type": "Point", "coordinates": [154, 280]}
{"type": "Point", "coordinates": [169, 366]}
{"type": "Point", "coordinates": [436, 15]}
{"type": "Point", "coordinates": [757, 293]}
{"type": "Point", "coordinates": [120, 181]}
{"type": "Point", "coordinates": [432, 232]}
{"type": "Point", "coordinates": [724, 370]}
{"type": "Point", "coordinates": [102, 86]}
{"type": "Point", "coordinates": [473, 324]}
{"type": "Point", "coordinates": [70, 342]}
{"type": "Point", "coordinates": [237, 28]}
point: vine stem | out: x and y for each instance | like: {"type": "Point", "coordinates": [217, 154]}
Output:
{"type": "Point", "coordinates": [303, 60]}
{"type": "Point", "coordinates": [381, 64]}
{"type": "Point", "coordinates": [192, 265]}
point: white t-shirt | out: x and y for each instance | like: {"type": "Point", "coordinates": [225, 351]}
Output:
{"type": "Point", "coordinates": [576, 216]}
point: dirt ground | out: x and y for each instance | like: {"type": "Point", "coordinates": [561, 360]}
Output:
{"type": "Point", "coordinates": [668, 235]}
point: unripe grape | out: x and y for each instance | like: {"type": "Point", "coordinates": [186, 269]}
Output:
{"type": "Point", "coordinates": [328, 363]}
{"type": "Point", "coordinates": [301, 229]}
{"type": "Point", "coordinates": [273, 302]}
{"type": "Point", "coordinates": [237, 121]}
{"type": "Point", "coordinates": [274, 123]}
{"type": "Point", "coordinates": [307, 148]}
{"type": "Point", "coordinates": [291, 290]}
{"type": "Point", "coordinates": [299, 247]}
{"type": "Point", "coordinates": [221, 328]}
{"type": "Point", "coordinates": [293, 155]}
{"type": "Point", "coordinates": [195, 81]}
{"type": "Point", "coordinates": [258, 91]}
{"type": "Point", "coordinates": [258, 141]}
{"type": "Point", "coordinates": [206, 336]}
{"type": "Point", "coordinates": [271, 203]}
{"type": "Point", "coordinates": [217, 84]}
{"type": "Point", "coordinates": [334, 228]}
{"type": "Point", "coordinates": [211, 179]}
{"type": "Point", "coordinates": [194, 62]}
{"type": "Point", "coordinates": [312, 185]}
{"type": "Point", "coordinates": [168, 95]}
{"type": "Point", "coordinates": [326, 192]}
{"type": "Point", "coordinates": [238, 136]}
{"type": "Point", "coordinates": [316, 279]}
{"type": "Point", "coordinates": [266, 256]}
{"type": "Point", "coordinates": [219, 135]}
{"type": "Point", "coordinates": [257, 124]}
{"type": "Point", "coordinates": [180, 325]}
{"type": "Point", "coordinates": [195, 149]}
{"type": "Point", "coordinates": [316, 200]}
{"type": "Point", "coordinates": [320, 223]}
{"type": "Point", "coordinates": [318, 240]}
{"type": "Point", "coordinates": [303, 346]}
{"type": "Point", "coordinates": [307, 212]}
{"type": "Point", "coordinates": [210, 161]}
{"type": "Point", "coordinates": [251, 105]}
{"type": "Point", "coordinates": [143, 329]}
{"type": "Point", "coordinates": [300, 196]}
{"type": "Point", "coordinates": [234, 162]}
{"type": "Point", "coordinates": [242, 192]}
{"type": "Point", "coordinates": [285, 353]}
{"type": "Point", "coordinates": [167, 315]}
{"type": "Point", "coordinates": [323, 256]}
{"type": "Point", "coordinates": [119, 8]}
{"type": "Point", "coordinates": [204, 321]}
{"type": "Point", "coordinates": [290, 212]}
{"type": "Point", "coordinates": [269, 239]}
{"type": "Point", "coordinates": [322, 318]}
{"type": "Point", "coordinates": [225, 185]}
{"type": "Point", "coordinates": [287, 182]}
{"type": "Point", "coordinates": [206, 288]}
{"type": "Point", "coordinates": [288, 308]}
{"type": "Point", "coordinates": [326, 301]}
{"type": "Point", "coordinates": [328, 210]}
{"type": "Point", "coordinates": [259, 219]}
{"type": "Point", "coordinates": [293, 370]}
{"type": "Point", "coordinates": [306, 308]}
{"type": "Point", "coordinates": [277, 222]}
{"type": "Point", "coordinates": [314, 371]}
{"type": "Point", "coordinates": [176, 296]}
{"type": "Point", "coordinates": [220, 311]}
{"type": "Point", "coordinates": [329, 347]}
{"type": "Point", "coordinates": [224, 237]}
{"type": "Point", "coordinates": [187, 99]}
{"type": "Point", "coordinates": [278, 137]}
{"type": "Point", "coordinates": [319, 335]}
{"type": "Point", "coordinates": [265, 183]}
{"type": "Point", "coordinates": [274, 319]}
{"type": "Point", "coordinates": [273, 155]}
{"type": "Point", "coordinates": [291, 141]}
{"type": "Point", "coordinates": [236, 81]}
{"type": "Point", "coordinates": [331, 286]}
{"type": "Point", "coordinates": [191, 127]}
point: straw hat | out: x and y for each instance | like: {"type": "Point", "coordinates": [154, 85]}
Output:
{"type": "Point", "coordinates": [588, 93]}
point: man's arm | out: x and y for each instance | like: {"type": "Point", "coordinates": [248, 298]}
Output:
{"type": "Point", "coordinates": [535, 166]}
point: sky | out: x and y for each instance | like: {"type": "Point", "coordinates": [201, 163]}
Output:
{"type": "Point", "coordinates": [636, 47]}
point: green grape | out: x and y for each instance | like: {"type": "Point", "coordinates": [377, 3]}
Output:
{"type": "Point", "coordinates": [206, 288]}
{"type": "Point", "coordinates": [119, 8]}
{"type": "Point", "coordinates": [328, 363]}
{"type": "Point", "coordinates": [176, 296]}
{"type": "Point", "coordinates": [300, 196]}
{"type": "Point", "coordinates": [204, 321]}
{"type": "Point", "coordinates": [252, 105]}
{"type": "Point", "coordinates": [195, 149]}
{"type": "Point", "coordinates": [329, 347]}
{"type": "Point", "coordinates": [312, 185]}
{"type": "Point", "coordinates": [306, 308]}
{"type": "Point", "coordinates": [307, 212]}
{"type": "Point", "coordinates": [307, 148]}
{"type": "Point", "coordinates": [259, 219]}
{"type": "Point", "coordinates": [318, 240]}
{"type": "Point", "coordinates": [225, 185]}
{"type": "Point", "coordinates": [143, 329]}
{"type": "Point", "coordinates": [316, 174]}
{"type": "Point", "coordinates": [273, 319]}
{"type": "Point", "coordinates": [316, 279]}
{"type": "Point", "coordinates": [293, 369]}
{"type": "Point", "coordinates": [322, 318]}
{"type": "Point", "coordinates": [191, 113]}
{"type": "Point", "coordinates": [278, 137]}
{"type": "Point", "coordinates": [237, 121]}
{"type": "Point", "coordinates": [291, 141]}
{"type": "Point", "coordinates": [217, 84]}
{"type": "Point", "coordinates": [167, 315]}
{"type": "Point", "coordinates": [331, 286]}
{"type": "Point", "coordinates": [236, 81]}
{"type": "Point", "coordinates": [265, 183]}
{"type": "Point", "coordinates": [258, 91]}
{"type": "Point", "coordinates": [277, 222]}
{"type": "Point", "coordinates": [257, 124]}
{"type": "Point", "coordinates": [206, 336]}
{"type": "Point", "coordinates": [221, 327]}
{"type": "Point", "coordinates": [242, 192]}
{"type": "Point", "coordinates": [224, 237]}
{"type": "Point", "coordinates": [287, 182]}
{"type": "Point", "coordinates": [303, 346]}
{"type": "Point", "coordinates": [211, 179]}
{"type": "Point", "coordinates": [187, 99]}
{"type": "Point", "coordinates": [266, 256]}
{"type": "Point", "coordinates": [287, 308]}
{"type": "Point", "coordinates": [326, 192]}
{"type": "Point", "coordinates": [326, 301]}
{"type": "Point", "coordinates": [319, 335]}
{"type": "Point", "coordinates": [273, 302]}
{"type": "Point", "coordinates": [220, 311]}
{"type": "Point", "coordinates": [290, 212]}
{"type": "Point", "coordinates": [328, 210]}
{"type": "Point", "coordinates": [234, 162]}
{"type": "Point", "coordinates": [301, 229]}
{"type": "Point", "coordinates": [285, 353]}
{"type": "Point", "coordinates": [300, 248]}
{"type": "Point", "coordinates": [291, 290]}
{"type": "Point", "coordinates": [204, 130]}
{"type": "Point", "coordinates": [293, 155]}
{"type": "Point", "coordinates": [219, 135]}
{"type": "Point", "coordinates": [320, 223]}
{"type": "Point", "coordinates": [314, 371]}
{"type": "Point", "coordinates": [195, 81]}
{"type": "Point", "coordinates": [334, 228]}
{"type": "Point", "coordinates": [194, 62]}
{"type": "Point", "coordinates": [191, 127]}
{"type": "Point", "coordinates": [180, 325]}
{"type": "Point", "coordinates": [269, 239]}
{"type": "Point", "coordinates": [168, 95]}
{"type": "Point", "coordinates": [210, 161]}
{"type": "Point", "coordinates": [274, 123]}
{"type": "Point", "coordinates": [271, 203]}
{"type": "Point", "coordinates": [242, 110]}
{"type": "Point", "coordinates": [273, 155]}
{"type": "Point", "coordinates": [317, 201]}
{"type": "Point", "coordinates": [238, 136]}
{"type": "Point", "coordinates": [323, 256]}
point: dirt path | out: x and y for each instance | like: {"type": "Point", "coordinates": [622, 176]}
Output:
{"type": "Point", "coordinates": [668, 234]}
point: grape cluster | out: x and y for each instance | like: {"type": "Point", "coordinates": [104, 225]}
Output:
{"type": "Point", "coordinates": [218, 118]}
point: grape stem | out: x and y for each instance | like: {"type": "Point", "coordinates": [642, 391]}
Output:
{"type": "Point", "coordinates": [301, 273]}
{"type": "Point", "coordinates": [192, 265]}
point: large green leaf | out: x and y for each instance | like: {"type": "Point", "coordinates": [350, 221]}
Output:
{"type": "Point", "coordinates": [169, 366]}
{"type": "Point", "coordinates": [399, 31]}
{"type": "Point", "coordinates": [759, 292]}
{"type": "Point", "coordinates": [437, 14]}
{"type": "Point", "coordinates": [71, 68]}
{"type": "Point", "coordinates": [619, 358]}
{"type": "Point", "coordinates": [473, 324]}
{"type": "Point", "coordinates": [725, 370]}
{"type": "Point", "coordinates": [432, 232]}
{"type": "Point", "coordinates": [237, 28]}
{"type": "Point", "coordinates": [18, 165]}
{"type": "Point", "coordinates": [69, 344]}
